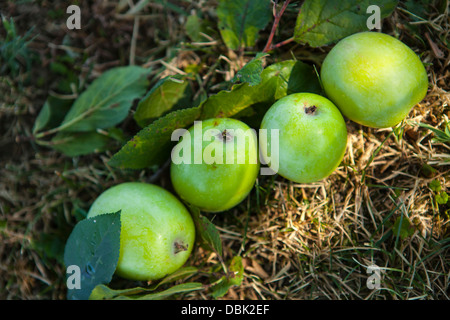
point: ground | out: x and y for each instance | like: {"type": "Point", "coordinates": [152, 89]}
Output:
{"type": "Point", "coordinates": [314, 241]}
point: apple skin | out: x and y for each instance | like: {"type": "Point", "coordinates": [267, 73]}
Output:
{"type": "Point", "coordinates": [374, 79]}
{"type": "Point", "coordinates": [312, 137]}
{"type": "Point", "coordinates": [217, 187]}
{"type": "Point", "coordinates": [157, 231]}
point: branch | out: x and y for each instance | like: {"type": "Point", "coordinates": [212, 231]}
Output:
{"type": "Point", "coordinates": [278, 15]}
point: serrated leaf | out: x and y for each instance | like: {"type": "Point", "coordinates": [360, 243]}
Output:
{"type": "Point", "coordinates": [234, 278]}
{"type": "Point", "coordinates": [228, 103]}
{"type": "Point", "coordinates": [168, 94]}
{"type": "Point", "coordinates": [152, 145]}
{"type": "Point", "coordinates": [93, 247]}
{"type": "Point", "coordinates": [322, 22]}
{"type": "Point", "coordinates": [107, 101]}
{"type": "Point", "coordinates": [240, 21]}
{"type": "Point", "coordinates": [74, 144]}
{"type": "Point", "coordinates": [251, 72]}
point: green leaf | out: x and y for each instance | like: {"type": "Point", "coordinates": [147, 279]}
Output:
{"type": "Point", "coordinates": [240, 21]}
{"type": "Point", "coordinates": [403, 228]}
{"type": "Point", "coordinates": [168, 94]}
{"type": "Point", "coordinates": [234, 278]}
{"type": "Point", "coordinates": [177, 275]}
{"type": "Point", "coordinates": [180, 288]}
{"type": "Point", "coordinates": [435, 185]}
{"type": "Point", "coordinates": [74, 144]}
{"type": "Point", "coordinates": [107, 101]}
{"type": "Point", "coordinates": [251, 72]}
{"type": "Point", "coordinates": [442, 197]}
{"type": "Point", "coordinates": [322, 22]}
{"type": "Point", "coordinates": [102, 292]}
{"type": "Point", "coordinates": [207, 231]}
{"type": "Point", "coordinates": [195, 27]}
{"type": "Point", "coordinates": [293, 76]}
{"type": "Point", "coordinates": [440, 136]}
{"type": "Point", "coordinates": [228, 103]}
{"type": "Point", "coordinates": [152, 145]}
{"type": "Point", "coordinates": [52, 113]}
{"type": "Point", "coordinates": [93, 246]}
{"type": "Point", "coordinates": [418, 8]}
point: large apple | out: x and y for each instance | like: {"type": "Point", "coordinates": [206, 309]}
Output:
{"type": "Point", "coordinates": [374, 79]}
{"type": "Point", "coordinates": [157, 232]}
{"type": "Point", "coordinates": [215, 164]}
{"type": "Point", "coordinates": [312, 137]}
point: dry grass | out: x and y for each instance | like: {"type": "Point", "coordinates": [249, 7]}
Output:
{"type": "Point", "coordinates": [310, 241]}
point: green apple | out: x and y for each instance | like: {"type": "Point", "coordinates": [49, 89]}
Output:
{"type": "Point", "coordinates": [374, 79]}
{"type": "Point", "coordinates": [312, 137]}
{"type": "Point", "coordinates": [215, 163]}
{"type": "Point", "coordinates": [157, 232]}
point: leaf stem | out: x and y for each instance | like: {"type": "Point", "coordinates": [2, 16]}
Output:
{"type": "Point", "coordinates": [66, 125]}
{"type": "Point", "coordinates": [278, 15]}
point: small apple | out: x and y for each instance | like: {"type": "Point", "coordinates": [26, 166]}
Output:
{"type": "Point", "coordinates": [374, 79]}
{"type": "Point", "coordinates": [312, 137]}
{"type": "Point", "coordinates": [218, 166]}
{"type": "Point", "coordinates": [157, 232]}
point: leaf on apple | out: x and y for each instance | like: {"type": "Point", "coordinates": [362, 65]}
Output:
{"type": "Point", "coordinates": [241, 20]}
{"type": "Point", "coordinates": [322, 22]}
{"type": "Point", "coordinates": [93, 247]}
{"type": "Point", "coordinates": [168, 94]}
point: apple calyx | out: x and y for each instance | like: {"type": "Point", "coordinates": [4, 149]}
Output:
{"type": "Point", "coordinates": [179, 246]}
{"type": "Point", "coordinates": [310, 110]}
{"type": "Point", "coordinates": [225, 136]}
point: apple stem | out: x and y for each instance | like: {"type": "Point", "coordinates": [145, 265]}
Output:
{"type": "Point", "coordinates": [225, 136]}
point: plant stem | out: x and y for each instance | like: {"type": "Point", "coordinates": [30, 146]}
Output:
{"type": "Point", "coordinates": [278, 15]}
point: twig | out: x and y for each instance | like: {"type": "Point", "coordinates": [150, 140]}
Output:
{"type": "Point", "coordinates": [282, 43]}
{"type": "Point", "coordinates": [269, 46]}
{"type": "Point", "coordinates": [133, 40]}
